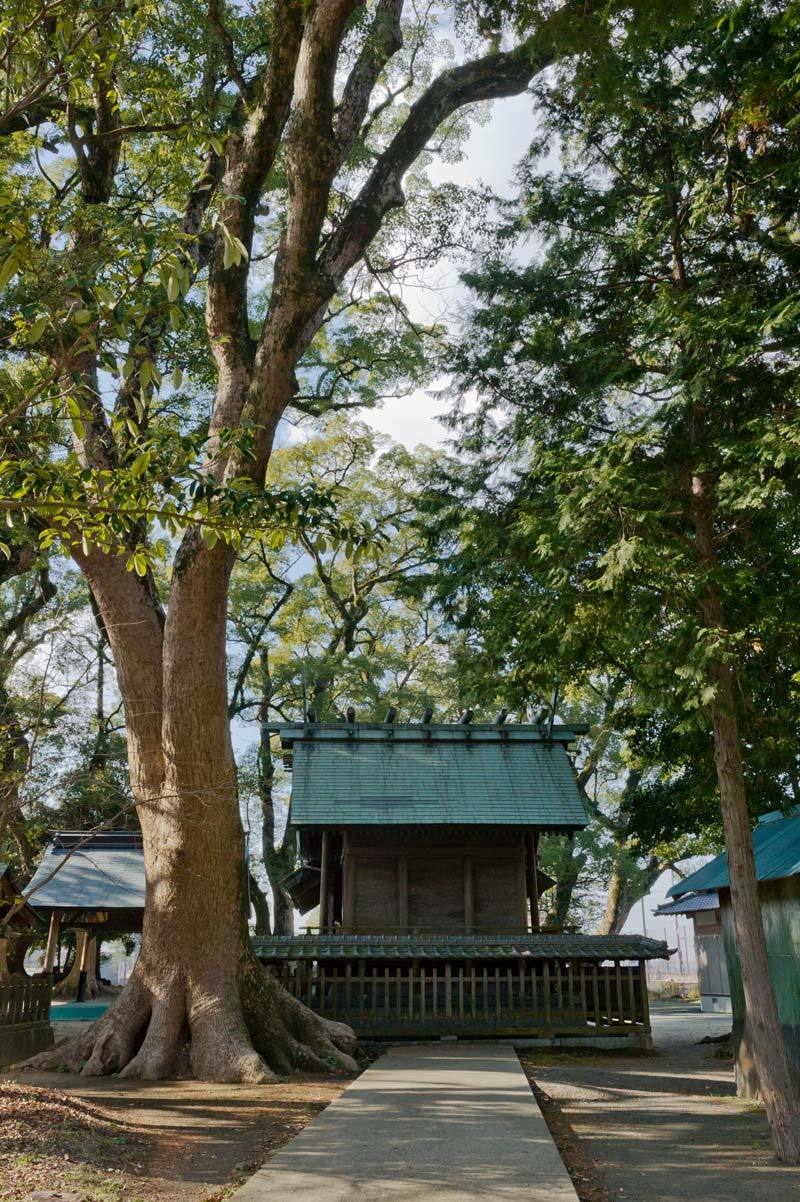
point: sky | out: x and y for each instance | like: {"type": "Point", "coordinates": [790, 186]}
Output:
{"type": "Point", "coordinates": [490, 156]}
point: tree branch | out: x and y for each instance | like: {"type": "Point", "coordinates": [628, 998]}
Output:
{"type": "Point", "coordinates": [385, 38]}
{"type": "Point", "coordinates": [488, 78]}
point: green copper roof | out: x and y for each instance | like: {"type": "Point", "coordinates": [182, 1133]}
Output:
{"type": "Point", "coordinates": [452, 947]}
{"type": "Point", "coordinates": [357, 775]}
{"type": "Point", "coordinates": [776, 847]}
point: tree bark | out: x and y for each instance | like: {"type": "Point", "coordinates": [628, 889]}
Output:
{"type": "Point", "coordinates": [16, 952]}
{"type": "Point", "coordinates": [622, 896]}
{"type": "Point", "coordinates": [260, 903]}
{"type": "Point", "coordinates": [67, 987]}
{"type": "Point", "coordinates": [279, 858]}
{"type": "Point", "coordinates": [779, 1091]}
{"type": "Point", "coordinates": [565, 887]}
{"type": "Point", "coordinates": [197, 1000]}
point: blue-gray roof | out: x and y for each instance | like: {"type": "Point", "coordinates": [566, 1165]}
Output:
{"type": "Point", "coordinates": [776, 847]}
{"type": "Point", "coordinates": [693, 903]}
{"type": "Point", "coordinates": [90, 872]}
{"type": "Point", "coordinates": [365, 775]}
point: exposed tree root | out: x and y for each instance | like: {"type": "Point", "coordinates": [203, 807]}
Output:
{"type": "Point", "coordinates": [247, 1030]}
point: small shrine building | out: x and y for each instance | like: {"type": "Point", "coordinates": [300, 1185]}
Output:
{"type": "Point", "coordinates": [419, 850]}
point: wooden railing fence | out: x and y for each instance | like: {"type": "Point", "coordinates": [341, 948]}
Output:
{"type": "Point", "coordinates": [25, 1003]}
{"type": "Point", "coordinates": [532, 996]}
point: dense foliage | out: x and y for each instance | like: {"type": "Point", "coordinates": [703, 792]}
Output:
{"type": "Point", "coordinates": [637, 326]}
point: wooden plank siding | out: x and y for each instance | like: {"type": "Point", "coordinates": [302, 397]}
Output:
{"type": "Point", "coordinates": [521, 998]}
{"type": "Point", "coordinates": [412, 886]}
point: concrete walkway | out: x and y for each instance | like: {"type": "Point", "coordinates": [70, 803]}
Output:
{"type": "Point", "coordinates": [666, 1127]}
{"type": "Point", "coordinates": [426, 1123]}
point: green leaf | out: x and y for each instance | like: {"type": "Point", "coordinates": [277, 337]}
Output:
{"type": "Point", "coordinates": [37, 328]}
{"type": "Point", "coordinates": [9, 268]}
{"type": "Point", "coordinates": [141, 463]}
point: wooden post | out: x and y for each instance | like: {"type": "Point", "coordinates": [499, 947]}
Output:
{"type": "Point", "coordinates": [82, 951]}
{"type": "Point", "coordinates": [402, 894]}
{"type": "Point", "coordinates": [324, 877]}
{"type": "Point", "coordinates": [634, 1018]}
{"type": "Point", "coordinates": [52, 940]}
{"type": "Point", "coordinates": [469, 903]}
{"type": "Point", "coordinates": [532, 842]}
{"type": "Point", "coordinates": [348, 889]}
{"type": "Point", "coordinates": [619, 999]}
{"type": "Point", "coordinates": [644, 997]}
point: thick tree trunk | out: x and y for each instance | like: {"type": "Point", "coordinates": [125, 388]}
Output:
{"type": "Point", "coordinates": [67, 987]}
{"type": "Point", "coordinates": [16, 953]}
{"type": "Point", "coordinates": [617, 907]}
{"type": "Point", "coordinates": [279, 865]}
{"type": "Point", "coordinates": [623, 896]}
{"type": "Point", "coordinates": [197, 1000]}
{"type": "Point", "coordinates": [260, 903]}
{"type": "Point", "coordinates": [779, 1090]}
{"type": "Point", "coordinates": [279, 858]}
{"type": "Point", "coordinates": [565, 888]}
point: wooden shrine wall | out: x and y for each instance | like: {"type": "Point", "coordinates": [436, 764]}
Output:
{"type": "Point", "coordinates": [398, 881]}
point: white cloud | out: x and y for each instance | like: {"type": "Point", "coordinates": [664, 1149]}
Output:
{"type": "Point", "coordinates": [490, 157]}
{"type": "Point", "coordinates": [410, 420]}
{"type": "Point", "coordinates": [494, 149]}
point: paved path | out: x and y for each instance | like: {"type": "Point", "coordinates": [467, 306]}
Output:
{"type": "Point", "coordinates": [666, 1127]}
{"type": "Point", "coordinates": [426, 1123]}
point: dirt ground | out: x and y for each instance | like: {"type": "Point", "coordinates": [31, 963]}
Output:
{"type": "Point", "coordinates": [663, 1126]}
{"type": "Point", "coordinates": [110, 1140]}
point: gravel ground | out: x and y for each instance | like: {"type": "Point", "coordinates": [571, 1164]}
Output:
{"type": "Point", "coordinates": [661, 1127]}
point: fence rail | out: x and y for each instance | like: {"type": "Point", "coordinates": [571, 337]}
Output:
{"type": "Point", "coordinates": [533, 998]}
{"type": "Point", "coordinates": [25, 1003]}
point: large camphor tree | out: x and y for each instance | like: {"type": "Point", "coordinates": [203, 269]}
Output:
{"type": "Point", "coordinates": [185, 189]}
